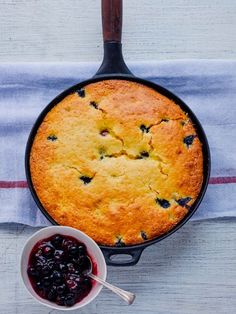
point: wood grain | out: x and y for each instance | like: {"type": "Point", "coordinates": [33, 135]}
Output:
{"type": "Point", "coordinates": [55, 30]}
{"type": "Point", "coordinates": [191, 272]}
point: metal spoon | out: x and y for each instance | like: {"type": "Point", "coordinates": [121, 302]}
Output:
{"type": "Point", "coordinates": [125, 295]}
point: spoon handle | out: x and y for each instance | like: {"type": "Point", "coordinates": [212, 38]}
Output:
{"type": "Point", "coordinates": [125, 295]}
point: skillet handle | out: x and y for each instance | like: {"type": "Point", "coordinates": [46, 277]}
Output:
{"type": "Point", "coordinates": [113, 62]}
{"type": "Point", "coordinates": [134, 253]}
{"type": "Point", "coordinates": [112, 20]}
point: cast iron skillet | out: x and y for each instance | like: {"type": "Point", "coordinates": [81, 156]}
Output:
{"type": "Point", "coordinates": [114, 67]}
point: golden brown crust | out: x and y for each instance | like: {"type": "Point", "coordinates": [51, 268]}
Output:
{"type": "Point", "coordinates": [130, 141]}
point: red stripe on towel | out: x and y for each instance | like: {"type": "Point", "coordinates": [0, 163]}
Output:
{"type": "Point", "coordinates": [13, 184]}
{"type": "Point", "coordinates": [23, 184]}
{"type": "Point", "coordinates": [222, 180]}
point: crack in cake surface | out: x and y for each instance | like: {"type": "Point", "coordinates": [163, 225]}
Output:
{"type": "Point", "coordinates": [124, 183]}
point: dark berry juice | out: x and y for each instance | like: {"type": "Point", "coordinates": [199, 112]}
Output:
{"type": "Point", "coordinates": [56, 266]}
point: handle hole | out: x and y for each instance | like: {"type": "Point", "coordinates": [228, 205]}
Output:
{"type": "Point", "coordinates": [121, 258]}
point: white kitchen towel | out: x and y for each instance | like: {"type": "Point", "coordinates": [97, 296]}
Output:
{"type": "Point", "coordinates": [207, 86]}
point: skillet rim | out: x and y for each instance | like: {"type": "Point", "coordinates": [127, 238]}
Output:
{"type": "Point", "coordinates": [197, 125]}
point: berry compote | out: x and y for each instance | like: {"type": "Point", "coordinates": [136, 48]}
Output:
{"type": "Point", "coordinates": [56, 266]}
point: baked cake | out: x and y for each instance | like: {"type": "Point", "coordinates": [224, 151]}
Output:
{"type": "Point", "coordinates": [117, 160]}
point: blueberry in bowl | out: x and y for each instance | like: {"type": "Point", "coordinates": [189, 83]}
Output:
{"type": "Point", "coordinates": [56, 272]}
{"type": "Point", "coordinates": [53, 267]}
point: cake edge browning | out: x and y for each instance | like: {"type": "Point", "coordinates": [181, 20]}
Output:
{"type": "Point", "coordinates": [46, 167]}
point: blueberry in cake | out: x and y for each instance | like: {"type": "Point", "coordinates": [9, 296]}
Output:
{"type": "Point", "coordinates": [117, 160]}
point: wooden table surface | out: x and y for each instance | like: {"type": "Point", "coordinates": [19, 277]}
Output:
{"type": "Point", "coordinates": [193, 271]}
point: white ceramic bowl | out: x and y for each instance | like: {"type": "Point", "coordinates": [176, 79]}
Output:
{"type": "Point", "coordinates": [93, 250]}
